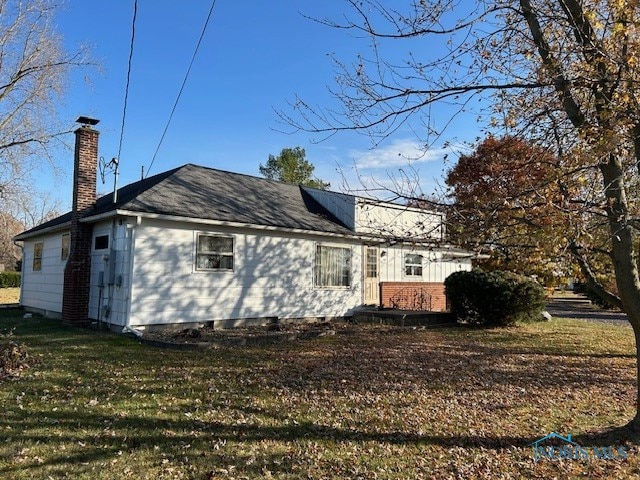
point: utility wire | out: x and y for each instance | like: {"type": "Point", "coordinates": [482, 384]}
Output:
{"type": "Point", "coordinates": [126, 88]}
{"type": "Point", "coordinates": [184, 82]}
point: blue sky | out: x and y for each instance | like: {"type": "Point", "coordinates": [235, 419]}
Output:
{"type": "Point", "coordinates": [255, 56]}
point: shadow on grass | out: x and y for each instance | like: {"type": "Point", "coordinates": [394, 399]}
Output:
{"type": "Point", "coordinates": [609, 436]}
{"type": "Point", "coordinates": [151, 433]}
{"type": "Point", "coordinates": [547, 351]}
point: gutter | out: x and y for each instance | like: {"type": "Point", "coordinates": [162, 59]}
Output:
{"type": "Point", "coordinates": [221, 223]}
{"type": "Point", "coordinates": [61, 226]}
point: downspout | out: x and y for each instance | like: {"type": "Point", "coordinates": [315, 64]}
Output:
{"type": "Point", "coordinates": [21, 247]}
{"type": "Point", "coordinates": [110, 285]}
{"type": "Point", "coordinates": [100, 288]}
{"type": "Point", "coordinates": [132, 248]}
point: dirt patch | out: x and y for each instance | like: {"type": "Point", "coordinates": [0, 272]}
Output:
{"type": "Point", "coordinates": [206, 337]}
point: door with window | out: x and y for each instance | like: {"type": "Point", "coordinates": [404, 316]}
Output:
{"type": "Point", "coordinates": [371, 269]}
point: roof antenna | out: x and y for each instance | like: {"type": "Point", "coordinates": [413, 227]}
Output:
{"type": "Point", "coordinates": [110, 167]}
{"type": "Point", "coordinates": [142, 173]}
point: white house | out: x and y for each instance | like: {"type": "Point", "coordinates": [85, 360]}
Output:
{"type": "Point", "coordinates": [197, 245]}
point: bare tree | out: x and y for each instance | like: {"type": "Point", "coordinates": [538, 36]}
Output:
{"type": "Point", "coordinates": [562, 73]}
{"type": "Point", "coordinates": [33, 73]}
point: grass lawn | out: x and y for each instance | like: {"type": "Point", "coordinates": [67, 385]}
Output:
{"type": "Point", "coordinates": [9, 295]}
{"type": "Point", "coordinates": [374, 403]}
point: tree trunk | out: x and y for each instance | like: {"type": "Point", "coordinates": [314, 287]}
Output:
{"type": "Point", "coordinates": [592, 282]}
{"type": "Point", "coordinates": [623, 255]}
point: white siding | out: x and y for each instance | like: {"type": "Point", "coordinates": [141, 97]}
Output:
{"type": "Point", "coordinates": [397, 221]}
{"type": "Point", "coordinates": [382, 219]}
{"type": "Point", "coordinates": [272, 277]}
{"type": "Point", "coordinates": [42, 289]}
{"type": "Point", "coordinates": [437, 264]}
{"type": "Point", "coordinates": [112, 295]}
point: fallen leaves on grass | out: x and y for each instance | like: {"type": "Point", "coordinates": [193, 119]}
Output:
{"type": "Point", "coordinates": [369, 402]}
{"type": "Point", "coordinates": [13, 356]}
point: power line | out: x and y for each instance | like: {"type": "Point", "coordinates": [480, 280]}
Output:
{"type": "Point", "coordinates": [126, 88]}
{"type": "Point", "coordinates": [184, 82]}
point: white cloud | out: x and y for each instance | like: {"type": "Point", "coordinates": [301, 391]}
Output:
{"type": "Point", "coordinates": [402, 168]}
{"type": "Point", "coordinates": [399, 153]}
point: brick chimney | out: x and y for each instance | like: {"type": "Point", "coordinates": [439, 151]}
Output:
{"type": "Point", "coordinates": [77, 272]}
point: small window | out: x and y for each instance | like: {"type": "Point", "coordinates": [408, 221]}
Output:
{"type": "Point", "coordinates": [214, 252]}
{"type": "Point", "coordinates": [64, 251]}
{"type": "Point", "coordinates": [413, 265]}
{"type": "Point", "coordinates": [37, 256]}
{"type": "Point", "coordinates": [333, 266]}
{"type": "Point", "coordinates": [101, 242]}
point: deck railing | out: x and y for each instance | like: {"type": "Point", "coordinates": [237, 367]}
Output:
{"type": "Point", "coordinates": [411, 298]}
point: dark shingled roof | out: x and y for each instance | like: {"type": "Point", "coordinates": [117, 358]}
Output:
{"type": "Point", "coordinates": [204, 193]}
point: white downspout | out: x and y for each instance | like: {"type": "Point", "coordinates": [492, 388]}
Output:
{"type": "Point", "coordinates": [21, 247]}
{"type": "Point", "coordinates": [132, 248]}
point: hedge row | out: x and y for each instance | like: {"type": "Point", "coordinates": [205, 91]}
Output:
{"type": "Point", "coordinates": [494, 298]}
{"type": "Point", "coordinates": [9, 279]}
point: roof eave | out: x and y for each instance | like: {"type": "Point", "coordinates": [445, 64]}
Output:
{"type": "Point", "coordinates": [222, 223]}
{"type": "Point", "coordinates": [54, 228]}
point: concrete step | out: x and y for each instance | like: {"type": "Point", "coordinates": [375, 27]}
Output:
{"type": "Point", "coordinates": [404, 318]}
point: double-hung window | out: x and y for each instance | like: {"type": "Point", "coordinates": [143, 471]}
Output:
{"type": "Point", "coordinates": [37, 256]}
{"type": "Point", "coordinates": [412, 265]}
{"type": "Point", "coordinates": [333, 266]}
{"type": "Point", "coordinates": [214, 252]}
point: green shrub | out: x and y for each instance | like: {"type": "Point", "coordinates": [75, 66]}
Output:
{"type": "Point", "coordinates": [9, 279]}
{"type": "Point", "coordinates": [494, 298]}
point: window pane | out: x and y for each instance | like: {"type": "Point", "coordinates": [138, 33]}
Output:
{"type": "Point", "coordinates": [226, 262]}
{"type": "Point", "coordinates": [214, 252]}
{"type": "Point", "coordinates": [333, 266]}
{"type": "Point", "coordinates": [64, 253]}
{"type": "Point", "coordinates": [101, 242]}
{"type": "Point", "coordinates": [413, 264]}
{"type": "Point", "coordinates": [37, 257]}
{"type": "Point", "coordinates": [214, 261]}
{"type": "Point", "coordinates": [215, 244]}
{"type": "Point", "coordinates": [413, 259]}
{"type": "Point", "coordinates": [371, 270]}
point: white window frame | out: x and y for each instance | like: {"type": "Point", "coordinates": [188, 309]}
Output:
{"type": "Point", "coordinates": [335, 279]}
{"type": "Point", "coordinates": [413, 268]}
{"type": "Point", "coordinates": [37, 258]}
{"type": "Point", "coordinates": [64, 257]}
{"type": "Point", "coordinates": [220, 253]}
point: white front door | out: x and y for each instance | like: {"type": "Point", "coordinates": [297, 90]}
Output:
{"type": "Point", "coordinates": [371, 272]}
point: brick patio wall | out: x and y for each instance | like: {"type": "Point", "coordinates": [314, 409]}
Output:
{"type": "Point", "coordinates": [436, 290]}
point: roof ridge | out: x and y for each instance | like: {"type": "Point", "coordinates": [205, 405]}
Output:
{"type": "Point", "coordinates": [271, 180]}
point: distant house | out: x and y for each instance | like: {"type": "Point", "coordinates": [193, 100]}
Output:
{"type": "Point", "coordinates": [197, 245]}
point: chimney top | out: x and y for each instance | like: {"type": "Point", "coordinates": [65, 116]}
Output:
{"type": "Point", "coordinates": [87, 121]}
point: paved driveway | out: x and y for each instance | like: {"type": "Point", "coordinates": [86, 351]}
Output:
{"type": "Point", "coordinates": [568, 305]}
